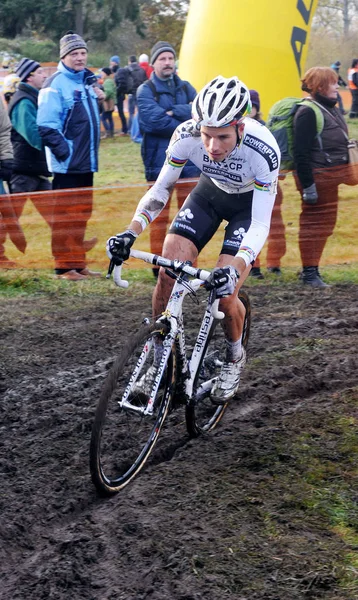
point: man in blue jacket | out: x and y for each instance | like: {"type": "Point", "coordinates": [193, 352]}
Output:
{"type": "Point", "coordinates": [69, 124]}
{"type": "Point", "coordinates": [164, 101]}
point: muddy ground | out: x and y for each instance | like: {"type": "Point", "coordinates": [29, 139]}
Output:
{"type": "Point", "coordinates": [262, 508]}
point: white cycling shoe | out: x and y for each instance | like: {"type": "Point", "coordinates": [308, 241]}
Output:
{"type": "Point", "coordinates": [227, 384]}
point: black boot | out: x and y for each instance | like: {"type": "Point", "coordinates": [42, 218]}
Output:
{"type": "Point", "coordinates": [275, 270]}
{"type": "Point", "coordinates": [311, 276]}
{"type": "Point", "coordinates": [256, 272]}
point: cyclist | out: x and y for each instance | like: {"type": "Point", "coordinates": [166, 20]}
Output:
{"type": "Point", "coordinates": [239, 162]}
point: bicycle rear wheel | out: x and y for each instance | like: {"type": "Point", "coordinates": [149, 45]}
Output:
{"type": "Point", "coordinates": [123, 436]}
{"type": "Point", "coordinates": [201, 414]}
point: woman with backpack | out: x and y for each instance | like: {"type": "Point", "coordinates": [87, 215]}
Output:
{"type": "Point", "coordinates": [319, 158]}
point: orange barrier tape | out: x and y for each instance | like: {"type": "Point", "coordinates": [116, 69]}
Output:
{"type": "Point", "coordinates": [64, 224]}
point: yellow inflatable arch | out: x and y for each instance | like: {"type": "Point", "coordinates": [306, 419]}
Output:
{"type": "Point", "coordinates": [264, 43]}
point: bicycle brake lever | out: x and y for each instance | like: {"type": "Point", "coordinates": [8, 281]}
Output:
{"type": "Point", "coordinates": [111, 266]}
{"type": "Point", "coordinates": [117, 277]}
{"type": "Point", "coordinates": [217, 314]}
{"type": "Point", "coordinates": [116, 269]}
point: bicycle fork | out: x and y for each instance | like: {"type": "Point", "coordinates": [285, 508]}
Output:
{"type": "Point", "coordinates": [148, 409]}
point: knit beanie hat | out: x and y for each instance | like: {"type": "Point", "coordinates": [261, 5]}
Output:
{"type": "Point", "coordinates": [71, 41]}
{"type": "Point", "coordinates": [115, 59]}
{"type": "Point", "coordinates": [25, 67]}
{"type": "Point", "coordinates": [159, 48]}
{"type": "Point", "coordinates": [255, 99]}
{"type": "Point", "coordinates": [143, 58]}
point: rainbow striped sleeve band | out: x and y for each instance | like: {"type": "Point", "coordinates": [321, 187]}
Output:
{"type": "Point", "coordinates": [262, 187]}
{"type": "Point", "coordinates": [176, 162]}
{"type": "Point", "coordinates": [247, 254]}
{"type": "Point", "coordinates": [144, 218]}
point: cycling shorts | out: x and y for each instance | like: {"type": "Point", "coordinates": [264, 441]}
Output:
{"type": "Point", "coordinates": [203, 211]}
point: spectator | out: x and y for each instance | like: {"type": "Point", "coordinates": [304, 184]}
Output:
{"type": "Point", "coordinates": [138, 76]}
{"type": "Point", "coordinates": [353, 86]}
{"type": "Point", "coordinates": [6, 151]}
{"type": "Point", "coordinates": [144, 63]}
{"type": "Point", "coordinates": [164, 101]}
{"type": "Point", "coordinates": [313, 156]}
{"type": "Point", "coordinates": [68, 120]}
{"type": "Point", "coordinates": [122, 79]}
{"type": "Point", "coordinates": [336, 66]}
{"type": "Point", "coordinates": [108, 102]}
{"type": "Point", "coordinates": [114, 63]}
{"type": "Point", "coordinates": [276, 241]}
{"type": "Point", "coordinates": [10, 86]}
{"type": "Point", "coordinates": [30, 173]}
{"type": "Point", "coordinates": [8, 220]}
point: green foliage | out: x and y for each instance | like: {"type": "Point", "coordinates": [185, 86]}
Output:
{"type": "Point", "coordinates": [93, 18]}
{"type": "Point", "coordinates": [40, 50]}
{"type": "Point", "coordinates": [110, 26]}
{"type": "Point", "coordinates": [164, 20]}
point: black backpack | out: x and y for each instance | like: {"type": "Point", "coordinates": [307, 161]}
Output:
{"type": "Point", "coordinates": [139, 76]}
{"type": "Point", "coordinates": [129, 86]}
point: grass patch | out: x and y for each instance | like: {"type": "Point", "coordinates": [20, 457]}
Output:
{"type": "Point", "coordinates": [326, 457]}
{"type": "Point", "coordinates": [27, 282]}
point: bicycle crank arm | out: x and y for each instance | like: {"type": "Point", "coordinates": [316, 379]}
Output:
{"type": "Point", "coordinates": [204, 389]}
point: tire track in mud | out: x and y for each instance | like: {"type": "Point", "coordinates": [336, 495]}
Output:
{"type": "Point", "coordinates": [197, 497]}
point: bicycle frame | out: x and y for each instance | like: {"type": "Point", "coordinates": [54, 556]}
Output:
{"type": "Point", "coordinates": [173, 317]}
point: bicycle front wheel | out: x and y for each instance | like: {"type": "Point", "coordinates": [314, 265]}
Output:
{"type": "Point", "coordinates": [124, 433]}
{"type": "Point", "coordinates": [201, 414]}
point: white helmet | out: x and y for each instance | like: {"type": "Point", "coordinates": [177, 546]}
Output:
{"type": "Point", "coordinates": [221, 102]}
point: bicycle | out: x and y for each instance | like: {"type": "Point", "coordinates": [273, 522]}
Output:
{"type": "Point", "coordinates": [127, 422]}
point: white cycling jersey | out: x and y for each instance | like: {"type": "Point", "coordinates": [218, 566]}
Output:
{"type": "Point", "coordinates": [253, 165]}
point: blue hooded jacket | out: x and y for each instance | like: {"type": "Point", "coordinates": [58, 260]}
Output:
{"type": "Point", "coordinates": [68, 121]}
{"type": "Point", "coordinates": [157, 126]}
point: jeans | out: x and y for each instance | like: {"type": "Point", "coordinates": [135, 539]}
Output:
{"type": "Point", "coordinates": [107, 120]}
{"type": "Point", "coordinates": [354, 108]}
{"type": "Point", "coordinates": [120, 100]}
{"type": "Point", "coordinates": [132, 103]}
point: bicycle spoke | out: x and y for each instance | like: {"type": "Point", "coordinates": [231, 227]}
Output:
{"type": "Point", "coordinates": [124, 433]}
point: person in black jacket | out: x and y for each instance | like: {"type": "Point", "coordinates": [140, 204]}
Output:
{"type": "Point", "coordinates": [138, 77]}
{"type": "Point", "coordinates": [30, 172]}
{"type": "Point", "coordinates": [316, 157]}
{"type": "Point", "coordinates": [121, 81]}
{"type": "Point", "coordinates": [336, 66]}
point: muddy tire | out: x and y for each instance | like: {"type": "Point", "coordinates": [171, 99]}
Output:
{"type": "Point", "coordinates": [201, 414]}
{"type": "Point", "coordinates": [123, 437]}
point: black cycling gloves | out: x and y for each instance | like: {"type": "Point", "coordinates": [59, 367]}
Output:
{"type": "Point", "coordinates": [118, 247]}
{"type": "Point", "coordinates": [224, 280]}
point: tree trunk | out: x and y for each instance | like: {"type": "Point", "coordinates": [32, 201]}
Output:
{"type": "Point", "coordinates": [346, 19]}
{"type": "Point", "coordinates": [78, 17]}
